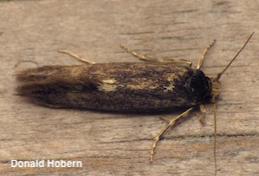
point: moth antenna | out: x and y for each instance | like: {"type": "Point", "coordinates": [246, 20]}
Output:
{"type": "Point", "coordinates": [215, 139]}
{"type": "Point", "coordinates": [234, 58]}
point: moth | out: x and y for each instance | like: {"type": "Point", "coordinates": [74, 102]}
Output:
{"type": "Point", "coordinates": [156, 85]}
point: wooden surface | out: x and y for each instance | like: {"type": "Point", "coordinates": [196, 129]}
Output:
{"type": "Point", "coordinates": [117, 144]}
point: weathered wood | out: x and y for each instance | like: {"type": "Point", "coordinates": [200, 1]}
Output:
{"type": "Point", "coordinates": [116, 144]}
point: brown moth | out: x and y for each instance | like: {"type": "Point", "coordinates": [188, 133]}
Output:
{"type": "Point", "coordinates": [153, 86]}
{"type": "Point", "coordinates": [121, 87]}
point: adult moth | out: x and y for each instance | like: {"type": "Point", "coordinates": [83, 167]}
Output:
{"type": "Point", "coordinates": [151, 86]}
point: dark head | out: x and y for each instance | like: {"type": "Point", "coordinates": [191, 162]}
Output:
{"type": "Point", "coordinates": [202, 89]}
{"type": "Point", "coordinates": [199, 87]}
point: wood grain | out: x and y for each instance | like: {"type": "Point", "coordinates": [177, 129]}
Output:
{"type": "Point", "coordinates": [117, 144]}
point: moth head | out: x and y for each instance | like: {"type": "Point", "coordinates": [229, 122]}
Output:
{"type": "Point", "coordinates": [199, 86]}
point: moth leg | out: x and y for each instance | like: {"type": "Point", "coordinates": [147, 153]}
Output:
{"type": "Point", "coordinates": [178, 61]}
{"type": "Point", "coordinates": [205, 51]}
{"type": "Point", "coordinates": [202, 116]}
{"type": "Point", "coordinates": [171, 123]}
{"type": "Point", "coordinates": [75, 56]}
{"type": "Point", "coordinates": [23, 61]}
{"type": "Point", "coordinates": [141, 57]}
{"type": "Point", "coordinates": [147, 58]}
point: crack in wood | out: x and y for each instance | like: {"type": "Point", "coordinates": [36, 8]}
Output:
{"type": "Point", "coordinates": [220, 135]}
